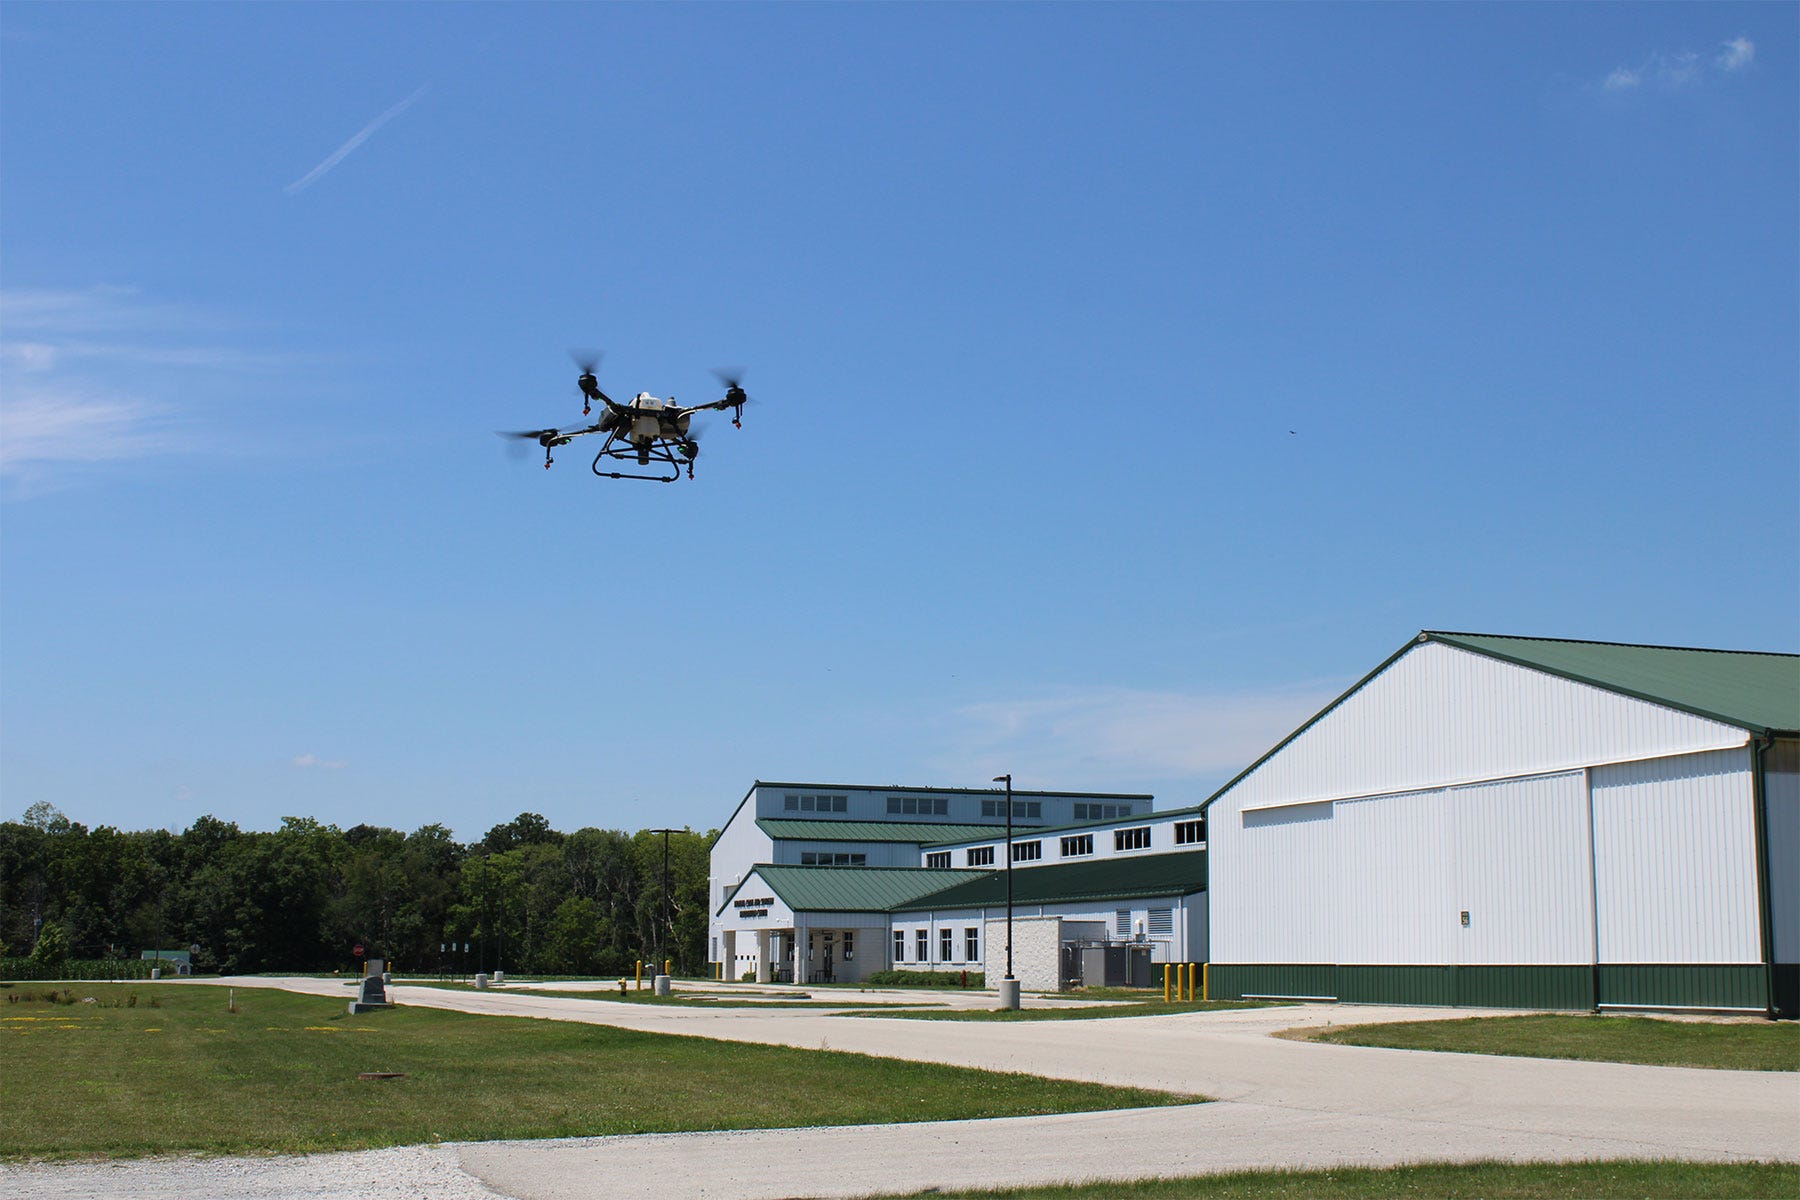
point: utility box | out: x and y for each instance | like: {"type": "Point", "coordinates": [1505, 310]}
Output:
{"type": "Point", "coordinates": [1114, 964]}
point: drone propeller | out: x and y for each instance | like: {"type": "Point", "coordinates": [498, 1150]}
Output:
{"type": "Point", "coordinates": [735, 396]}
{"type": "Point", "coordinates": [535, 435]}
{"type": "Point", "coordinates": [549, 439]}
{"type": "Point", "coordinates": [589, 362]}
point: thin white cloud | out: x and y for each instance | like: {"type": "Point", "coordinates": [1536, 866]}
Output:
{"type": "Point", "coordinates": [1119, 734]}
{"type": "Point", "coordinates": [367, 131]}
{"type": "Point", "coordinates": [47, 425]}
{"type": "Point", "coordinates": [1736, 54]}
{"type": "Point", "coordinates": [100, 375]}
{"type": "Point", "coordinates": [307, 762]}
{"type": "Point", "coordinates": [1679, 70]}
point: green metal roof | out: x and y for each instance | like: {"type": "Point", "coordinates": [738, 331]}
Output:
{"type": "Point", "coordinates": [1754, 691]}
{"type": "Point", "coordinates": [1031, 831]}
{"type": "Point", "coordinates": [901, 789]}
{"type": "Point", "coordinates": [922, 832]}
{"type": "Point", "coordinates": [1103, 879]}
{"type": "Point", "coordinates": [848, 889]}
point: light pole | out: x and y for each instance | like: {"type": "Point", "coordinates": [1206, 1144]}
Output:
{"type": "Point", "coordinates": [1009, 987]}
{"type": "Point", "coordinates": [668, 917]}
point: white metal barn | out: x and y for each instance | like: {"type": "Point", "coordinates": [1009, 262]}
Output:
{"type": "Point", "coordinates": [1523, 822]}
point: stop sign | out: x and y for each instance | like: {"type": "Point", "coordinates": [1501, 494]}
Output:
{"type": "Point", "coordinates": [357, 950]}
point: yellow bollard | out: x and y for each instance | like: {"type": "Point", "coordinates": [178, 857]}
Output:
{"type": "Point", "coordinates": [1192, 970]}
{"type": "Point", "coordinates": [1206, 981]}
{"type": "Point", "coordinates": [668, 963]}
{"type": "Point", "coordinates": [640, 974]}
{"type": "Point", "coordinates": [1166, 969]}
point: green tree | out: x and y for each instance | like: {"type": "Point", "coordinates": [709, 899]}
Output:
{"type": "Point", "coordinates": [51, 950]}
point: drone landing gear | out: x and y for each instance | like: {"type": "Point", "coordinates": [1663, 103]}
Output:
{"type": "Point", "coordinates": [643, 456]}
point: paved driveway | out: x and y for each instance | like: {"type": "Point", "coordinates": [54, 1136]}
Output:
{"type": "Point", "coordinates": [1280, 1103]}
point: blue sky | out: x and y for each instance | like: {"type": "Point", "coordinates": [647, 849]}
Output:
{"type": "Point", "coordinates": [1131, 380]}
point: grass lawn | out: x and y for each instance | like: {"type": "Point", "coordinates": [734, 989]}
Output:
{"type": "Point", "coordinates": [1636, 1180]}
{"type": "Point", "coordinates": [1732, 1045]}
{"type": "Point", "coordinates": [1086, 1012]}
{"type": "Point", "coordinates": [280, 1074]}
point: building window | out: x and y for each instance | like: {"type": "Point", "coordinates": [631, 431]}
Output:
{"type": "Point", "coordinates": [1162, 922]}
{"type": "Point", "coordinates": [1033, 809]}
{"type": "Point", "coordinates": [899, 945]}
{"type": "Point", "coordinates": [849, 944]}
{"type": "Point", "coordinates": [939, 861]}
{"type": "Point", "coordinates": [919, 806]}
{"type": "Point", "coordinates": [1027, 851]}
{"type": "Point", "coordinates": [980, 856]}
{"type": "Point", "coordinates": [1101, 812]}
{"type": "Point", "coordinates": [923, 941]}
{"type": "Point", "coordinates": [972, 944]}
{"type": "Point", "coordinates": [1122, 922]}
{"type": "Point", "coordinates": [1075, 847]}
{"type": "Point", "coordinates": [832, 858]}
{"type": "Point", "coordinates": [1132, 839]}
{"type": "Point", "coordinates": [946, 945]}
{"type": "Point", "coordinates": [1189, 832]}
{"type": "Point", "coordinates": [815, 803]}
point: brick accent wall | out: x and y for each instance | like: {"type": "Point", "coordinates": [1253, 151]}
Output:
{"type": "Point", "coordinates": [1037, 952]}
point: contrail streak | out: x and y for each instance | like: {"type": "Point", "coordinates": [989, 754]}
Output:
{"type": "Point", "coordinates": [363, 135]}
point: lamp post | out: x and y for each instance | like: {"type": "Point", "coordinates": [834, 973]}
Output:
{"type": "Point", "coordinates": [668, 918]}
{"type": "Point", "coordinates": [1009, 987]}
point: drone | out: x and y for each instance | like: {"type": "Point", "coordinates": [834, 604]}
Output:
{"type": "Point", "coordinates": [648, 430]}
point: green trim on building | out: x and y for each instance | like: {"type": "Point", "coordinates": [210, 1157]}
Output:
{"type": "Point", "coordinates": [1752, 690]}
{"type": "Point", "coordinates": [1128, 877]}
{"type": "Point", "coordinates": [1144, 818]}
{"type": "Point", "coordinates": [924, 833]}
{"type": "Point", "coordinates": [1525, 985]}
{"type": "Point", "coordinates": [898, 790]}
{"type": "Point", "coordinates": [1685, 985]}
{"type": "Point", "coordinates": [845, 889]}
{"type": "Point", "coordinates": [1235, 981]}
{"type": "Point", "coordinates": [1757, 692]}
{"type": "Point", "coordinates": [1786, 978]}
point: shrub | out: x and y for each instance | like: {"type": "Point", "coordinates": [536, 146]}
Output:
{"type": "Point", "coordinates": [89, 969]}
{"type": "Point", "coordinates": [927, 979]}
{"type": "Point", "coordinates": [51, 950]}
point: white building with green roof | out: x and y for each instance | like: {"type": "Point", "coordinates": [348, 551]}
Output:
{"type": "Point", "coordinates": [883, 832]}
{"type": "Point", "coordinates": [1523, 822]}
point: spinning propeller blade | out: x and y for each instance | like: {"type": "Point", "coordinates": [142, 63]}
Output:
{"type": "Point", "coordinates": [735, 396]}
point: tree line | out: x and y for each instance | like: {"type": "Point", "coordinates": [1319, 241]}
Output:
{"type": "Point", "coordinates": [525, 898]}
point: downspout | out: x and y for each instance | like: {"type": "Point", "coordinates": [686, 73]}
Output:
{"type": "Point", "coordinates": [1759, 803]}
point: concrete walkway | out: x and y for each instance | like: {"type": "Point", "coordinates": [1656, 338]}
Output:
{"type": "Point", "coordinates": [1281, 1103]}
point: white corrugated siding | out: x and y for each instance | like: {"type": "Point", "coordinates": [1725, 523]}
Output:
{"type": "Point", "coordinates": [1273, 883]}
{"type": "Point", "coordinates": [1675, 860]}
{"type": "Point", "coordinates": [1512, 854]}
{"type": "Point", "coordinates": [1781, 788]}
{"type": "Point", "coordinates": [1442, 715]}
{"type": "Point", "coordinates": [1522, 871]}
{"type": "Point", "coordinates": [1396, 893]}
